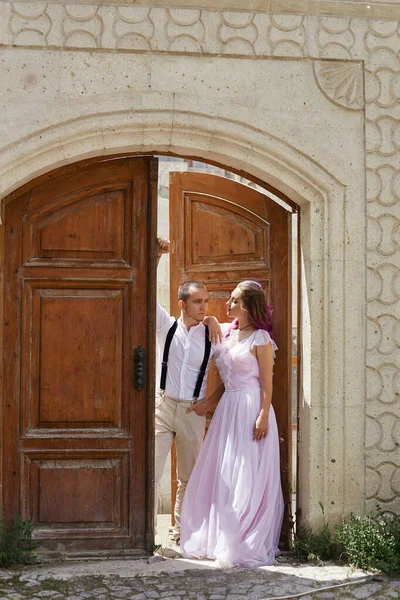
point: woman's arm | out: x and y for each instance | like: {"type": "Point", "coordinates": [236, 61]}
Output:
{"type": "Point", "coordinates": [202, 408]}
{"type": "Point", "coordinates": [214, 329]}
{"type": "Point", "coordinates": [264, 355]}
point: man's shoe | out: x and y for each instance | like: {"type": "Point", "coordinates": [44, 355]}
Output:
{"type": "Point", "coordinates": [175, 536]}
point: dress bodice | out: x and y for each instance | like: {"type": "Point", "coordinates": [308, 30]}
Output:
{"type": "Point", "coordinates": [237, 366]}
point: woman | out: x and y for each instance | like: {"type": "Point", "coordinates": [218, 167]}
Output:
{"type": "Point", "coordinates": [233, 506]}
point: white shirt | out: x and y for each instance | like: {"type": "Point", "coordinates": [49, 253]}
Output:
{"type": "Point", "coordinates": [186, 355]}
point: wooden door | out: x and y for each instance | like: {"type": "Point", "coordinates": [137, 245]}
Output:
{"type": "Point", "coordinates": [224, 232]}
{"type": "Point", "coordinates": [79, 270]}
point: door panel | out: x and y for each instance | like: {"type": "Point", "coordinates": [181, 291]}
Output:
{"type": "Point", "coordinates": [224, 232]}
{"type": "Point", "coordinates": [92, 230]}
{"type": "Point", "coordinates": [210, 249]}
{"type": "Point", "coordinates": [58, 488]}
{"type": "Point", "coordinates": [77, 298]}
{"type": "Point", "coordinates": [75, 372]}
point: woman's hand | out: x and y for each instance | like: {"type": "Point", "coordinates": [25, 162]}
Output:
{"type": "Point", "coordinates": [209, 404]}
{"type": "Point", "coordinates": [214, 329]}
{"type": "Point", "coordinates": [260, 428]}
{"type": "Point", "coordinates": [200, 408]}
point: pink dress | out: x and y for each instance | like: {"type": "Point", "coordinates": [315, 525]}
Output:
{"type": "Point", "coordinates": [233, 506]}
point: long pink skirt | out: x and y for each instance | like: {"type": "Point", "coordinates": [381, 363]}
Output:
{"type": "Point", "coordinates": [233, 506]}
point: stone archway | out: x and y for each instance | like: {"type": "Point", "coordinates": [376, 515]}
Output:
{"type": "Point", "coordinates": [331, 439]}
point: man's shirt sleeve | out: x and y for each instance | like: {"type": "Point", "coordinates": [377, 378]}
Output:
{"type": "Point", "coordinates": [163, 319]}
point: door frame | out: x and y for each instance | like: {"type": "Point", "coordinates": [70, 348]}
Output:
{"type": "Point", "coordinates": [152, 292]}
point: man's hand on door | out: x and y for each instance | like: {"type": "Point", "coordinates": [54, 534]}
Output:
{"type": "Point", "coordinates": [163, 247]}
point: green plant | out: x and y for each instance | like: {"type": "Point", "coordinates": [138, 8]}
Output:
{"type": "Point", "coordinates": [318, 546]}
{"type": "Point", "coordinates": [16, 545]}
{"type": "Point", "coordinates": [55, 585]}
{"type": "Point", "coordinates": [372, 543]}
{"type": "Point", "coordinates": [16, 578]}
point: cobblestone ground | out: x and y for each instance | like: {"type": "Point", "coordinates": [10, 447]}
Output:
{"type": "Point", "coordinates": [189, 580]}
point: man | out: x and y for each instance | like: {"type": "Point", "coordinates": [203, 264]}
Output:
{"type": "Point", "coordinates": [183, 358]}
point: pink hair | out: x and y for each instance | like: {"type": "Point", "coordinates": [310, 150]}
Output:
{"type": "Point", "coordinates": [259, 312]}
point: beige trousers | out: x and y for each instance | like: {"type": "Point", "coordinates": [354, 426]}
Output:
{"type": "Point", "coordinates": [171, 422]}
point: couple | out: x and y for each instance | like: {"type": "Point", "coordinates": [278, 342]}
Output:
{"type": "Point", "coordinates": [231, 510]}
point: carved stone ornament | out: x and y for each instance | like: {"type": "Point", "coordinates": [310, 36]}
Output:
{"type": "Point", "coordinates": [341, 82]}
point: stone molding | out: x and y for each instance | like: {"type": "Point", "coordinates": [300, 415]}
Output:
{"type": "Point", "coordinates": [375, 9]}
{"type": "Point", "coordinates": [191, 31]}
{"type": "Point", "coordinates": [351, 48]}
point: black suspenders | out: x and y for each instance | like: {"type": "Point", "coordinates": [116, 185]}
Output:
{"type": "Point", "coordinates": [164, 364]}
{"type": "Point", "coordinates": [202, 372]}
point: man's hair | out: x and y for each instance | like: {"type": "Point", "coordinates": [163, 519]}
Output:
{"type": "Point", "coordinates": [184, 289]}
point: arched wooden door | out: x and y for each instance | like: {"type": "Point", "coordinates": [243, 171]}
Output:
{"type": "Point", "coordinates": [224, 232]}
{"type": "Point", "coordinates": [79, 274]}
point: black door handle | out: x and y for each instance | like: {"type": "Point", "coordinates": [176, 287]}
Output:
{"type": "Point", "coordinates": [139, 363]}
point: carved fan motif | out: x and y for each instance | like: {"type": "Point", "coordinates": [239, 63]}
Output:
{"type": "Point", "coordinates": [341, 82]}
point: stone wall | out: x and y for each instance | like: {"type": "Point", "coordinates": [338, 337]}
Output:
{"type": "Point", "coordinates": [305, 97]}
